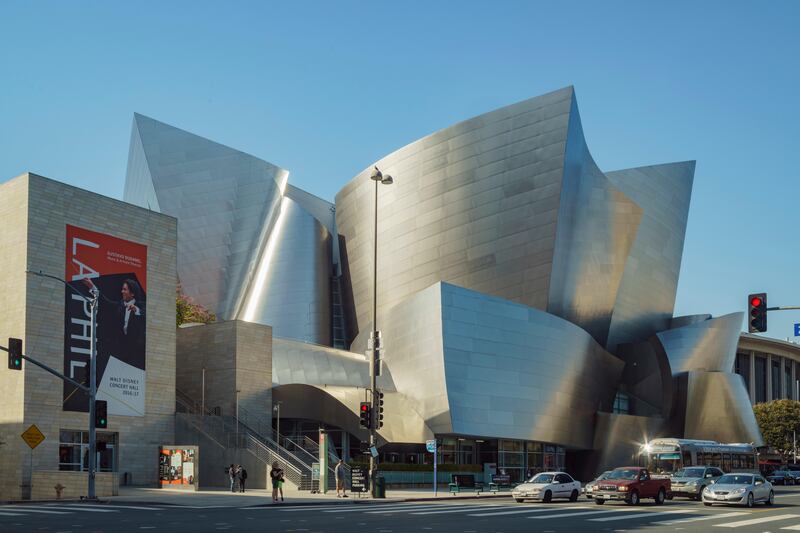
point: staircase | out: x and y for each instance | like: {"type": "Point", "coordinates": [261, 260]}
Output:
{"type": "Point", "coordinates": [256, 435]}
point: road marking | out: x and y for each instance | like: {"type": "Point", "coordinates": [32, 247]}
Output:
{"type": "Point", "coordinates": [79, 507]}
{"type": "Point", "coordinates": [698, 518]}
{"type": "Point", "coordinates": [23, 509]}
{"type": "Point", "coordinates": [460, 509]}
{"type": "Point", "coordinates": [774, 518]}
{"type": "Point", "coordinates": [528, 510]}
{"type": "Point", "coordinates": [632, 515]}
{"type": "Point", "coordinates": [370, 508]}
{"type": "Point", "coordinates": [9, 514]}
{"type": "Point", "coordinates": [416, 508]}
{"type": "Point", "coordinates": [105, 506]}
{"type": "Point", "coordinates": [792, 528]}
{"type": "Point", "coordinates": [579, 513]}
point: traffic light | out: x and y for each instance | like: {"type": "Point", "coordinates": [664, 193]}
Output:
{"type": "Point", "coordinates": [365, 411]}
{"type": "Point", "coordinates": [15, 354]}
{"type": "Point", "coordinates": [379, 417]}
{"type": "Point", "coordinates": [100, 414]}
{"type": "Point", "coordinates": [757, 312]}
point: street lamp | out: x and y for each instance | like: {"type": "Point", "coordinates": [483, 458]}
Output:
{"type": "Point", "coordinates": [378, 177]}
{"type": "Point", "coordinates": [277, 409]}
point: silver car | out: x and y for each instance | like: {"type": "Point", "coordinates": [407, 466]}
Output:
{"type": "Point", "coordinates": [589, 489]}
{"type": "Point", "coordinates": [739, 489]}
{"type": "Point", "coordinates": [690, 482]}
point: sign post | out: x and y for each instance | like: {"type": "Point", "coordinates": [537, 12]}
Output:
{"type": "Point", "coordinates": [430, 445]}
{"type": "Point", "coordinates": [32, 437]}
{"type": "Point", "coordinates": [359, 480]}
{"type": "Point", "coordinates": [323, 461]}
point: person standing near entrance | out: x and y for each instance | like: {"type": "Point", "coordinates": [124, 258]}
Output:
{"type": "Point", "coordinates": [340, 475]}
{"type": "Point", "coordinates": [242, 478]}
{"type": "Point", "coordinates": [232, 475]}
{"type": "Point", "coordinates": [276, 474]}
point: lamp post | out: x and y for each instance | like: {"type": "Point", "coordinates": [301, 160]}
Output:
{"type": "Point", "coordinates": [277, 409]}
{"type": "Point", "coordinates": [378, 177]}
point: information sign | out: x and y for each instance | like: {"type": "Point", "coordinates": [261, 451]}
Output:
{"type": "Point", "coordinates": [359, 480]}
{"type": "Point", "coordinates": [314, 471]}
{"type": "Point", "coordinates": [430, 445]}
{"type": "Point", "coordinates": [797, 330]}
{"type": "Point", "coordinates": [33, 436]}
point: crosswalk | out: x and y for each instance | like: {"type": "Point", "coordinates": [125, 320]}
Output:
{"type": "Point", "coordinates": [66, 509]}
{"type": "Point", "coordinates": [591, 514]}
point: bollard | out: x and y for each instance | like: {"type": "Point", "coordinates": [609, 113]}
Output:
{"type": "Point", "coordinates": [59, 488]}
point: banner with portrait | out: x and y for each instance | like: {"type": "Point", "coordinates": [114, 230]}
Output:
{"type": "Point", "coordinates": [118, 268]}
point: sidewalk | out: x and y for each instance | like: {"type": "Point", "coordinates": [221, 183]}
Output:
{"type": "Point", "coordinates": [218, 497]}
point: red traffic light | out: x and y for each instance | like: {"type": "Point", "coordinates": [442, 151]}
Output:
{"type": "Point", "coordinates": [756, 301]}
{"type": "Point", "coordinates": [364, 408]}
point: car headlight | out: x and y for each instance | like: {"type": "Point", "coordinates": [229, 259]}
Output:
{"type": "Point", "coordinates": [738, 491]}
{"type": "Point", "coordinates": [623, 488]}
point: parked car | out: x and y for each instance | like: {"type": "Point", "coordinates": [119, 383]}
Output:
{"type": "Point", "coordinates": [796, 475]}
{"type": "Point", "coordinates": [690, 482]}
{"type": "Point", "coordinates": [547, 486]}
{"type": "Point", "coordinates": [739, 489]}
{"type": "Point", "coordinates": [781, 477]}
{"type": "Point", "coordinates": [592, 485]}
{"type": "Point", "coordinates": [630, 484]}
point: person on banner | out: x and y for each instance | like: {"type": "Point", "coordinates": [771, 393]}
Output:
{"type": "Point", "coordinates": [340, 473]}
{"type": "Point", "coordinates": [276, 474]}
{"type": "Point", "coordinates": [130, 317]}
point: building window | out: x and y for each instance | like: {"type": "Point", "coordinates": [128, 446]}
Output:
{"type": "Point", "coordinates": [743, 368]}
{"type": "Point", "coordinates": [73, 451]}
{"type": "Point", "coordinates": [761, 379]}
{"type": "Point", "coordinates": [621, 403]}
{"type": "Point", "coordinates": [776, 379]}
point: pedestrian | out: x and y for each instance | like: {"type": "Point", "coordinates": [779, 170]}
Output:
{"type": "Point", "coordinates": [232, 475]}
{"type": "Point", "coordinates": [276, 474]}
{"type": "Point", "coordinates": [339, 471]}
{"type": "Point", "coordinates": [242, 478]}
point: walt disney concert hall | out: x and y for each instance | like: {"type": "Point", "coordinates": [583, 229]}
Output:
{"type": "Point", "coordinates": [525, 296]}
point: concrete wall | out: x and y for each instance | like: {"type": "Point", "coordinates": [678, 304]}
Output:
{"type": "Point", "coordinates": [73, 483]}
{"type": "Point", "coordinates": [236, 355]}
{"type": "Point", "coordinates": [34, 238]}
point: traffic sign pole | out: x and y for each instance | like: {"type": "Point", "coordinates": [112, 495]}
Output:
{"type": "Point", "coordinates": [93, 393]}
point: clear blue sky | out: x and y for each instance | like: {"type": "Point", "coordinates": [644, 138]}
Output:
{"type": "Point", "coordinates": [325, 88]}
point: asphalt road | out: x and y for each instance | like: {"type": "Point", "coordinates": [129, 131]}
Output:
{"type": "Point", "coordinates": [465, 516]}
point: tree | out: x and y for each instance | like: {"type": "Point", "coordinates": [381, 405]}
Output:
{"type": "Point", "coordinates": [187, 311]}
{"type": "Point", "coordinates": [778, 420]}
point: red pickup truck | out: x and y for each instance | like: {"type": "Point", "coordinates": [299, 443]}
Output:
{"type": "Point", "coordinates": [630, 484]}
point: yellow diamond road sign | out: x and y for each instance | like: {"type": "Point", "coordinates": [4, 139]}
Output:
{"type": "Point", "coordinates": [33, 436]}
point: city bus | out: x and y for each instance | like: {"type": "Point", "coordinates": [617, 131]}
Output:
{"type": "Point", "coordinates": [666, 456]}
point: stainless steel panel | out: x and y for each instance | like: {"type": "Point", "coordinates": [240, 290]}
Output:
{"type": "Point", "coordinates": [709, 345]}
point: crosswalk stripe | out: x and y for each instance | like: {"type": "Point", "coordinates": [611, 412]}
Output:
{"type": "Point", "coordinates": [9, 514]}
{"type": "Point", "coordinates": [793, 528]}
{"type": "Point", "coordinates": [377, 508]}
{"type": "Point", "coordinates": [416, 508]}
{"type": "Point", "coordinates": [42, 511]}
{"type": "Point", "coordinates": [562, 515]}
{"type": "Point", "coordinates": [699, 518]}
{"type": "Point", "coordinates": [528, 510]}
{"type": "Point", "coordinates": [294, 508]}
{"type": "Point", "coordinates": [460, 509]}
{"type": "Point", "coordinates": [106, 506]}
{"type": "Point", "coordinates": [631, 516]}
{"type": "Point", "coordinates": [79, 507]}
{"type": "Point", "coordinates": [773, 518]}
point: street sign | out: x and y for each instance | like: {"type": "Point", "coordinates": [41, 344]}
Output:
{"type": "Point", "coordinates": [33, 436]}
{"type": "Point", "coordinates": [430, 445]}
{"type": "Point", "coordinates": [359, 480]}
{"type": "Point", "coordinates": [797, 330]}
{"type": "Point", "coordinates": [374, 451]}
{"type": "Point", "coordinates": [314, 471]}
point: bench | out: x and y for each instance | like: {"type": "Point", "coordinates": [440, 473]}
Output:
{"type": "Point", "coordinates": [500, 482]}
{"type": "Point", "coordinates": [464, 483]}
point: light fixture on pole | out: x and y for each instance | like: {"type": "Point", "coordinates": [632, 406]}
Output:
{"type": "Point", "coordinates": [277, 409]}
{"type": "Point", "coordinates": [379, 178]}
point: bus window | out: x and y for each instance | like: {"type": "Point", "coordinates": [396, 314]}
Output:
{"type": "Point", "coordinates": [751, 462]}
{"type": "Point", "coordinates": [716, 460]}
{"type": "Point", "coordinates": [687, 459]}
{"type": "Point", "coordinates": [664, 463]}
{"type": "Point", "coordinates": [726, 462]}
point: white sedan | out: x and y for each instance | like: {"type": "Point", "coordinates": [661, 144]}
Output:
{"type": "Point", "coordinates": [548, 486]}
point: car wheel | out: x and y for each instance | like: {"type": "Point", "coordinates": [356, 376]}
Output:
{"type": "Point", "coordinates": [707, 504]}
{"type": "Point", "coordinates": [574, 496]}
{"type": "Point", "coordinates": [548, 497]}
{"type": "Point", "coordinates": [771, 498]}
{"type": "Point", "coordinates": [750, 500]}
{"type": "Point", "coordinates": [598, 501]}
{"type": "Point", "coordinates": [660, 497]}
{"type": "Point", "coordinates": [633, 499]}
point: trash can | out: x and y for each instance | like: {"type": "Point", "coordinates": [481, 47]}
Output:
{"type": "Point", "coordinates": [380, 487]}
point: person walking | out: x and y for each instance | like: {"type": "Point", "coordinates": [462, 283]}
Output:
{"type": "Point", "coordinates": [242, 478]}
{"type": "Point", "coordinates": [276, 474]}
{"type": "Point", "coordinates": [232, 475]}
{"type": "Point", "coordinates": [340, 473]}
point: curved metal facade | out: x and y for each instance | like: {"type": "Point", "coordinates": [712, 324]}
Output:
{"type": "Point", "coordinates": [709, 345]}
{"type": "Point", "coordinates": [248, 248]}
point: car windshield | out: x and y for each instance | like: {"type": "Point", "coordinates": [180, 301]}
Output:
{"type": "Point", "coordinates": [735, 479]}
{"type": "Point", "coordinates": [624, 473]}
{"type": "Point", "coordinates": [604, 475]}
{"type": "Point", "coordinates": [780, 473]}
{"type": "Point", "coordinates": [690, 472]}
{"type": "Point", "coordinates": [542, 478]}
